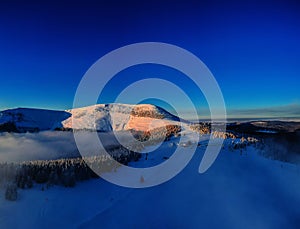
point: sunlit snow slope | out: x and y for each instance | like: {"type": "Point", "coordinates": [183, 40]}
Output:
{"type": "Point", "coordinates": [100, 117]}
{"type": "Point", "coordinates": [108, 117]}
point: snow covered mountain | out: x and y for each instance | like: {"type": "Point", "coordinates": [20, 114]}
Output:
{"type": "Point", "coordinates": [108, 117]}
{"type": "Point", "coordinates": [100, 117]}
{"type": "Point", "coordinates": [29, 119]}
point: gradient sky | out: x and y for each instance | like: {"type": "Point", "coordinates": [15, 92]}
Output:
{"type": "Point", "coordinates": [252, 48]}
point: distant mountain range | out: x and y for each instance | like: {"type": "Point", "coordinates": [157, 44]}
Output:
{"type": "Point", "coordinates": [100, 117]}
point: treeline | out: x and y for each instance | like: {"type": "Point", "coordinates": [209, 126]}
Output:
{"type": "Point", "coordinates": [142, 112]}
{"type": "Point", "coordinates": [201, 128]}
{"type": "Point", "coordinates": [9, 127]}
{"type": "Point", "coordinates": [64, 172]}
{"type": "Point", "coordinates": [158, 134]}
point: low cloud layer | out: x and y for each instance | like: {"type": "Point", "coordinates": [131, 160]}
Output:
{"type": "Point", "coordinates": [35, 146]}
{"type": "Point", "coordinates": [284, 111]}
{"type": "Point", "coordinates": [292, 110]}
{"type": "Point", "coordinates": [45, 145]}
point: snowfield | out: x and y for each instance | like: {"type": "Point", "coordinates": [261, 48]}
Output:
{"type": "Point", "coordinates": [240, 190]}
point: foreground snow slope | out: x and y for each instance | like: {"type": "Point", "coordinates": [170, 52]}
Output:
{"type": "Point", "coordinates": [238, 191]}
{"type": "Point", "coordinates": [101, 117]}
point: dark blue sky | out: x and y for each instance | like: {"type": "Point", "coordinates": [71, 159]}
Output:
{"type": "Point", "coordinates": [252, 48]}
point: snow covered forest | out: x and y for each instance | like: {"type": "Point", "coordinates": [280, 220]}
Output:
{"type": "Point", "coordinates": [65, 172]}
{"type": "Point", "coordinates": [68, 171]}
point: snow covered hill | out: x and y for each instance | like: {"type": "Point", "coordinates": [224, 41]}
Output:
{"type": "Point", "coordinates": [100, 117]}
{"type": "Point", "coordinates": [29, 119]}
{"type": "Point", "coordinates": [116, 117]}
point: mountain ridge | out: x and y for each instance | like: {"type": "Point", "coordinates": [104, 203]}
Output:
{"type": "Point", "coordinates": [99, 117]}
